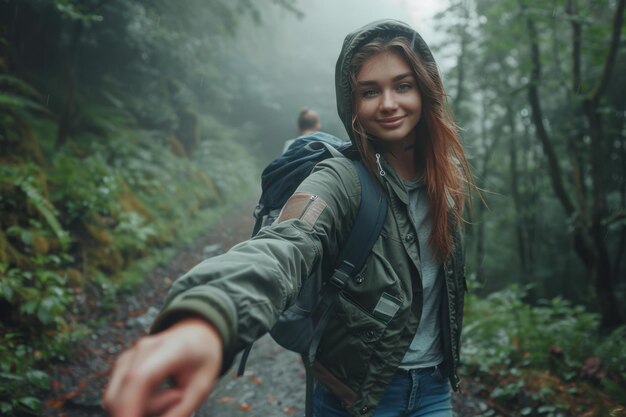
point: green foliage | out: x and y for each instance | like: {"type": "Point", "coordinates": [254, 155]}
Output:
{"type": "Point", "coordinates": [20, 377]}
{"type": "Point", "coordinates": [224, 149]}
{"type": "Point", "coordinates": [18, 104]}
{"type": "Point", "coordinates": [17, 399]}
{"type": "Point", "coordinates": [530, 358]}
{"type": "Point", "coordinates": [110, 198]}
{"type": "Point", "coordinates": [106, 117]}
{"type": "Point", "coordinates": [40, 295]}
{"type": "Point", "coordinates": [18, 97]}
{"type": "Point", "coordinates": [85, 186]}
{"type": "Point", "coordinates": [78, 10]}
{"type": "Point", "coordinates": [133, 232]}
{"type": "Point", "coordinates": [41, 298]}
{"type": "Point", "coordinates": [27, 191]}
{"type": "Point", "coordinates": [612, 350]}
{"type": "Point", "coordinates": [105, 288]}
{"type": "Point", "coordinates": [524, 333]}
{"type": "Point", "coordinates": [120, 198]}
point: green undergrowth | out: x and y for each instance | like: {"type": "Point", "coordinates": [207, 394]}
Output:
{"type": "Point", "coordinates": [133, 276]}
{"type": "Point", "coordinates": [92, 216]}
{"type": "Point", "coordinates": [547, 360]}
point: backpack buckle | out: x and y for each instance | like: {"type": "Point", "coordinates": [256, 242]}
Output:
{"type": "Point", "coordinates": [258, 210]}
{"type": "Point", "coordinates": [339, 278]}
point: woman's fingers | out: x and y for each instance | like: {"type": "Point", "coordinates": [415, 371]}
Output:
{"type": "Point", "coordinates": [189, 352]}
{"type": "Point", "coordinates": [125, 394]}
{"type": "Point", "coordinates": [197, 390]}
{"type": "Point", "coordinates": [129, 391]}
{"type": "Point", "coordinates": [162, 401]}
{"type": "Point", "coordinates": [119, 369]}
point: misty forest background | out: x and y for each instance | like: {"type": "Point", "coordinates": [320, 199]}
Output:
{"type": "Point", "coordinates": [127, 127]}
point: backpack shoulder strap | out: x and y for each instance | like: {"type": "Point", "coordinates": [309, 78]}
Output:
{"type": "Point", "coordinates": [366, 229]}
{"type": "Point", "coordinates": [367, 225]}
{"type": "Point", "coordinates": [332, 150]}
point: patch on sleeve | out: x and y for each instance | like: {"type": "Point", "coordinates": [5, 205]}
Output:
{"type": "Point", "coordinates": [305, 206]}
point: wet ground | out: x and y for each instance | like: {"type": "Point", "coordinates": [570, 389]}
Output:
{"type": "Point", "coordinates": [274, 381]}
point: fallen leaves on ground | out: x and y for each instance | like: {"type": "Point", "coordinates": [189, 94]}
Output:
{"type": "Point", "coordinates": [225, 400]}
{"type": "Point", "coordinates": [245, 407]}
{"type": "Point", "coordinates": [59, 402]}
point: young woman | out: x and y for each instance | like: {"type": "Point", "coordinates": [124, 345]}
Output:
{"type": "Point", "coordinates": [400, 363]}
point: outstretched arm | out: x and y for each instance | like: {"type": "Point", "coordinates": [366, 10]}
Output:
{"type": "Point", "coordinates": [188, 354]}
{"type": "Point", "coordinates": [241, 293]}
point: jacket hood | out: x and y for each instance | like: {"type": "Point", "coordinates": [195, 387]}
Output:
{"type": "Point", "coordinates": [387, 28]}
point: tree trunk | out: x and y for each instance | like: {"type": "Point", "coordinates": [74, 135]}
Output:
{"type": "Point", "coordinates": [612, 316]}
{"type": "Point", "coordinates": [517, 201]}
{"type": "Point", "coordinates": [489, 149]}
{"type": "Point", "coordinates": [460, 63]}
{"type": "Point", "coordinates": [622, 238]}
{"type": "Point", "coordinates": [69, 109]}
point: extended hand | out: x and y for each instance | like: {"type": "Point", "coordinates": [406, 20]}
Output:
{"type": "Point", "coordinates": [189, 354]}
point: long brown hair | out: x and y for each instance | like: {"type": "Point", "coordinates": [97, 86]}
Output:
{"type": "Point", "coordinates": [438, 149]}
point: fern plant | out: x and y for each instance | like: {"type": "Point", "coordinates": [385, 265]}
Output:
{"type": "Point", "coordinates": [18, 97]}
{"type": "Point", "coordinates": [22, 183]}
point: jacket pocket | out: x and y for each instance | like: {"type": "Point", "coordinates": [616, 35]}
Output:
{"type": "Point", "coordinates": [349, 340]}
{"type": "Point", "coordinates": [376, 276]}
{"type": "Point", "coordinates": [360, 323]}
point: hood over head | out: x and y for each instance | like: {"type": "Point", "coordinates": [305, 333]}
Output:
{"type": "Point", "coordinates": [386, 29]}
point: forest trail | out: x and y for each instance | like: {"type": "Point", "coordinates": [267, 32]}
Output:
{"type": "Point", "coordinates": [273, 384]}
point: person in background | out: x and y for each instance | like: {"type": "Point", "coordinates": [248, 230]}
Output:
{"type": "Point", "coordinates": [392, 346]}
{"type": "Point", "coordinates": [308, 122]}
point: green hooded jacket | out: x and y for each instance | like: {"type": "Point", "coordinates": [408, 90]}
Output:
{"type": "Point", "coordinates": [243, 291]}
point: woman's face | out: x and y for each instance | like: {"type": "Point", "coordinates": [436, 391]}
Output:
{"type": "Point", "coordinates": [388, 103]}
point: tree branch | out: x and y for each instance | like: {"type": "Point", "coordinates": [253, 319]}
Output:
{"type": "Point", "coordinates": [615, 218]}
{"type": "Point", "coordinates": [460, 87]}
{"type": "Point", "coordinates": [618, 20]}
{"type": "Point", "coordinates": [572, 143]}
{"type": "Point", "coordinates": [572, 11]}
{"type": "Point", "coordinates": [554, 169]}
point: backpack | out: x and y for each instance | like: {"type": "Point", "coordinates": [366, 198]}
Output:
{"type": "Point", "coordinates": [282, 176]}
{"type": "Point", "coordinates": [300, 327]}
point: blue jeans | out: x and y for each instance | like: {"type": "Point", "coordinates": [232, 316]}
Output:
{"type": "Point", "coordinates": [414, 393]}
